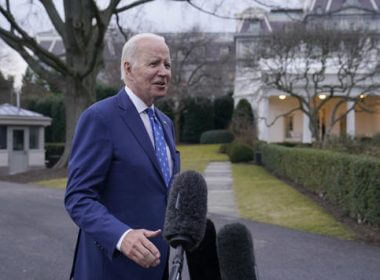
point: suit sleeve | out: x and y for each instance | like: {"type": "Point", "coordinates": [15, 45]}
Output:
{"type": "Point", "coordinates": [88, 166]}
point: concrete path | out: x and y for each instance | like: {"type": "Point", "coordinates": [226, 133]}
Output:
{"type": "Point", "coordinates": [221, 199]}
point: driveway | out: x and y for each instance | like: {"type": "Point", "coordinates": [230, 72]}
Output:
{"type": "Point", "coordinates": [37, 242]}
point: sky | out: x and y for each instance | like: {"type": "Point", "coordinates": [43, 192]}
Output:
{"type": "Point", "coordinates": [157, 16]}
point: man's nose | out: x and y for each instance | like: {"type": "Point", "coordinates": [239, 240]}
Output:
{"type": "Point", "coordinates": [164, 71]}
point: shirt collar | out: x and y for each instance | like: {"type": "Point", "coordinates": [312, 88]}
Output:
{"type": "Point", "coordinates": [137, 102]}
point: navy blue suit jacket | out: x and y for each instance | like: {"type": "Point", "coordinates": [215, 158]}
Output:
{"type": "Point", "coordinates": [114, 184]}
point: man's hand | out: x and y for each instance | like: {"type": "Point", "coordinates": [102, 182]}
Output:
{"type": "Point", "coordinates": [138, 248]}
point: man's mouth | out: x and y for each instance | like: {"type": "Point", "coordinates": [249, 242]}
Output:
{"type": "Point", "coordinates": [160, 83]}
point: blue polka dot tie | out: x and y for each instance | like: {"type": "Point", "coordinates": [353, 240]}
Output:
{"type": "Point", "coordinates": [159, 143]}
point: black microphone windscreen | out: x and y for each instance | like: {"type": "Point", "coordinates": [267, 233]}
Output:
{"type": "Point", "coordinates": [203, 262]}
{"type": "Point", "coordinates": [236, 253]}
{"type": "Point", "coordinates": [186, 210]}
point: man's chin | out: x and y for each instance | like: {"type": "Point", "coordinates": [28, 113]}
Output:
{"type": "Point", "coordinates": [160, 94]}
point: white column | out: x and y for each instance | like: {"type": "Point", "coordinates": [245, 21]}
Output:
{"type": "Point", "coordinates": [306, 133]}
{"type": "Point", "coordinates": [263, 116]}
{"type": "Point", "coordinates": [41, 139]}
{"type": "Point", "coordinates": [350, 120]}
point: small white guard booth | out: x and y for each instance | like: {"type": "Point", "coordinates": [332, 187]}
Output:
{"type": "Point", "coordinates": [22, 139]}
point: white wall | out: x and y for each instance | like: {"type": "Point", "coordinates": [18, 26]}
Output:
{"type": "Point", "coordinates": [3, 158]}
{"type": "Point", "coordinates": [277, 107]}
{"type": "Point", "coordinates": [36, 158]}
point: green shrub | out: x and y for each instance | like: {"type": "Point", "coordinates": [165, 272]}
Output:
{"type": "Point", "coordinates": [242, 123]}
{"type": "Point", "coordinates": [350, 181]}
{"type": "Point", "coordinates": [223, 109]}
{"type": "Point", "coordinates": [197, 118]}
{"type": "Point", "coordinates": [51, 106]}
{"type": "Point", "coordinates": [217, 136]}
{"type": "Point", "coordinates": [103, 91]}
{"type": "Point", "coordinates": [238, 152]}
{"type": "Point", "coordinates": [166, 106]}
{"type": "Point", "coordinates": [53, 152]}
{"type": "Point", "coordinates": [376, 139]}
{"type": "Point", "coordinates": [224, 148]}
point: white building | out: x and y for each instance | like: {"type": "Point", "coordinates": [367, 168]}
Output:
{"type": "Point", "coordinates": [269, 103]}
{"type": "Point", "coordinates": [22, 134]}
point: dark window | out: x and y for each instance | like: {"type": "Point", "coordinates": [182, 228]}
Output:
{"type": "Point", "coordinates": [34, 138]}
{"type": "Point", "coordinates": [3, 137]}
{"type": "Point", "coordinates": [18, 140]}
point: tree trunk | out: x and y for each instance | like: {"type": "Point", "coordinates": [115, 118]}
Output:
{"type": "Point", "coordinates": [79, 94]}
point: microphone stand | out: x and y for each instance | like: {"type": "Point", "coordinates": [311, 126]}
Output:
{"type": "Point", "coordinates": [180, 243]}
{"type": "Point", "coordinates": [177, 263]}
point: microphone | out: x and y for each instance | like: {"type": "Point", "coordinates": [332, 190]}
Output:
{"type": "Point", "coordinates": [236, 253]}
{"type": "Point", "coordinates": [203, 261]}
{"type": "Point", "coordinates": [185, 219]}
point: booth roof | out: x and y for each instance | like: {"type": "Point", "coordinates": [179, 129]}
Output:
{"type": "Point", "coordinates": [10, 110]}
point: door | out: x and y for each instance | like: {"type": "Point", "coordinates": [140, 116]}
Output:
{"type": "Point", "coordinates": [18, 158]}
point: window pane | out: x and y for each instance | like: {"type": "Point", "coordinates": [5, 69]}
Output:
{"type": "Point", "coordinates": [34, 138]}
{"type": "Point", "coordinates": [3, 137]}
{"type": "Point", "coordinates": [18, 140]}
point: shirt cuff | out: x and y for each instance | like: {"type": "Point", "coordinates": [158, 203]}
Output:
{"type": "Point", "coordinates": [118, 245]}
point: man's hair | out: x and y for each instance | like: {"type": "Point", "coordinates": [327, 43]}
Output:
{"type": "Point", "coordinates": [130, 49]}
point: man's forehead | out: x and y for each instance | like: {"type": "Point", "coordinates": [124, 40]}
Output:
{"type": "Point", "coordinates": [150, 51]}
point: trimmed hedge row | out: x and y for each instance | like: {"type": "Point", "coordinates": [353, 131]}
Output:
{"type": "Point", "coordinates": [216, 136]}
{"type": "Point", "coordinates": [350, 181]}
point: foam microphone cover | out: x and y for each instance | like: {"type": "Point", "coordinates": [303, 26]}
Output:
{"type": "Point", "coordinates": [236, 253]}
{"type": "Point", "coordinates": [202, 262]}
{"type": "Point", "coordinates": [186, 210]}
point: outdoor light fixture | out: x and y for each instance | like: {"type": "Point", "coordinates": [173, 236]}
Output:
{"type": "Point", "coordinates": [322, 96]}
{"type": "Point", "coordinates": [282, 97]}
{"type": "Point", "coordinates": [362, 96]}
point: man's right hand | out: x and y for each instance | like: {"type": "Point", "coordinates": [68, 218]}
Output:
{"type": "Point", "coordinates": [137, 247]}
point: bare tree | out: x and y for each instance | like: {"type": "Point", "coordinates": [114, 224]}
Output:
{"type": "Point", "coordinates": [6, 84]}
{"type": "Point", "coordinates": [82, 29]}
{"type": "Point", "coordinates": [200, 67]}
{"type": "Point", "coordinates": [311, 64]}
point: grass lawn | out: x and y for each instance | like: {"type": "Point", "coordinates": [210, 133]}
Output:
{"type": "Point", "coordinates": [264, 198]}
{"type": "Point", "coordinates": [196, 157]}
{"type": "Point", "coordinates": [59, 183]}
{"type": "Point", "coordinates": [260, 196]}
{"type": "Point", "coordinates": [193, 157]}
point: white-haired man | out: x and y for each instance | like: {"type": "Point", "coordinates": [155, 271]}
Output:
{"type": "Point", "coordinates": [120, 169]}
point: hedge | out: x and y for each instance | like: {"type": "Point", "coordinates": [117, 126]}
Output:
{"type": "Point", "coordinates": [53, 152]}
{"type": "Point", "coordinates": [197, 118]}
{"type": "Point", "coordinates": [350, 181]}
{"type": "Point", "coordinates": [238, 152]}
{"type": "Point", "coordinates": [216, 136]}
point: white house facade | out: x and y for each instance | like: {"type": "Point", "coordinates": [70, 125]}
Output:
{"type": "Point", "coordinates": [275, 120]}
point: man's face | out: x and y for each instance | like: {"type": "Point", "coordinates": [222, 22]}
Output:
{"type": "Point", "coordinates": [149, 76]}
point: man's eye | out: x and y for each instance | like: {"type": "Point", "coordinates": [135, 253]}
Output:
{"type": "Point", "coordinates": [168, 66]}
{"type": "Point", "coordinates": [153, 63]}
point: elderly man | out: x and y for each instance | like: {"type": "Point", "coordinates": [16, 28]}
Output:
{"type": "Point", "coordinates": [120, 169]}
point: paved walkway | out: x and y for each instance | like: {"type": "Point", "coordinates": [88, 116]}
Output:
{"type": "Point", "coordinates": [221, 199]}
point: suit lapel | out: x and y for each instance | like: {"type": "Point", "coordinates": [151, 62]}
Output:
{"type": "Point", "coordinates": [133, 121]}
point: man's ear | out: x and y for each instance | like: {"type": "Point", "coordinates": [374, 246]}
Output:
{"type": "Point", "coordinates": [127, 68]}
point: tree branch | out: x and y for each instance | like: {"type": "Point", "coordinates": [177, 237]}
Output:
{"type": "Point", "coordinates": [55, 18]}
{"type": "Point", "coordinates": [130, 6]}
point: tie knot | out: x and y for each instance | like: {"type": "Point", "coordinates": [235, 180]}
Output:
{"type": "Point", "coordinates": [150, 112]}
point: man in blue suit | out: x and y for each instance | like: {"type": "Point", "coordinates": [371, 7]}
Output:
{"type": "Point", "coordinates": [122, 161]}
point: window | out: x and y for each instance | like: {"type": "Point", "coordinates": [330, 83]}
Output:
{"type": "Point", "coordinates": [3, 137]}
{"type": "Point", "coordinates": [34, 139]}
{"type": "Point", "coordinates": [18, 140]}
{"type": "Point", "coordinates": [289, 126]}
